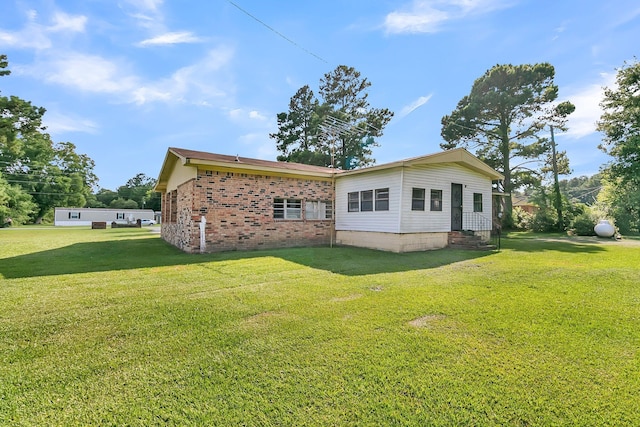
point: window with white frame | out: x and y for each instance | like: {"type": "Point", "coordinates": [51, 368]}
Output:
{"type": "Point", "coordinates": [74, 215]}
{"type": "Point", "coordinates": [417, 199]}
{"type": "Point", "coordinates": [353, 202]}
{"type": "Point", "coordinates": [366, 201]}
{"type": "Point", "coordinates": [477, 202]}
{"type": "Point", "coordinates": [287, 208]}
{"type": "Point", "coordinates": [120, 215]}
{"type": "Point", "coordinates": [436, 200]}
{"type": "Point", "coordinates": [318, 210]}
{"type": "Point", "coordinates": [382, 199]}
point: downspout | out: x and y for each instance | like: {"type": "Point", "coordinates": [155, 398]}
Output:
{"type": "Point", "coordinates": [332, 229]}
{"type": "Point", "coordinates": [401, 193]}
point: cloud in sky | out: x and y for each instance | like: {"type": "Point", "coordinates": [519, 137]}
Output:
{"type": "Point", "coordinates": [57, 123]}
{"type": "Point", "coordinates": [408, 109]}
{"type": "Point", "coordinates": [38, 36]}
{"type": "Point", "coordinates": [587, 101]}
{"type": "Point", "coordinates": [87, 73]}
{"type": "Point", "coordinates": [171, 38]}
{"type": "Point", "coordinates": [428, 16]}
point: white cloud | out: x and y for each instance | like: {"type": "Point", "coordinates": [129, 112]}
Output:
{"type": "Point", "coordinates": [171, 38]}
{"type": "Point", "coordinates": [37, 36]}
{"type": "Point", "coordinates": [65, 22]}
{"type": "Point", "coordinates": [196, 83]}
{"type": "Point", "coordinates": [88, 73]}
{"type": "Point", "coordinates": [587, 101]}
{"type": "Point", "coordinates": [408, 109]}
{"type": "Point", "coordinates": [242, 115]}
{"type": "Point", "coordinates": [57, 123]}
{"type": "Point", "coordinates": [428, 16]}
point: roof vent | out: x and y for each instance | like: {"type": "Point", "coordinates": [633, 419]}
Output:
{"type": "Point", "coordinates": [237, 158]}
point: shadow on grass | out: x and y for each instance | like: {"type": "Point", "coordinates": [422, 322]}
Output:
{"type": "Point", "coordinates": [129, 254]}
{"type": "Point", "coordinates": [529, 242]}
{"type": "Point", "coordinates": [134, 253]}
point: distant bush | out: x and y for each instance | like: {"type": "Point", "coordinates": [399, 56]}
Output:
{"type": "Point", "coordinates": [583, 225]}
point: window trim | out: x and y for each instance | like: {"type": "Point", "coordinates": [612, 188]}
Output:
{"type": "Point", "coordinates": [366, 201]}
{"type": "Point", "coordinates": [382, 202]}
{"type": "Point", "coordinates": [418, 203]}
{"type": "Point", "coordinates": [290, 209]}
{"type": "Point", "coordinates": [353, 201]}
{"type": "Point", "coordinates": [435, 204]}
{"type": "Point", "coordinates": [323, 209]}
{"type": "Point", "coordinates": [477, 202]}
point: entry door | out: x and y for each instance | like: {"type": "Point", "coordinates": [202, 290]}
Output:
{"type": "Point", "coordinates": [456, 207]}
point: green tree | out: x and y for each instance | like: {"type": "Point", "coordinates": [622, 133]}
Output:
{"type": "Point", "coordinates": [302, 133]}
{"type": "Point", "coordinates": [105, 197]}
{"type": "Point", "coordinates": [16, 206]}
{"type": "Point", "coordinates": [298, 129]}
{"type": "Point", "coordinates": [620, 124]}
{"type": "Point", "coordinates": [501, 119]}
{"type": "Point", "coordinates": [53, 174]}
{"type": "Point", "coordinates": [582, 189]}
{"type": "Point", "coordinates": [140, 189]}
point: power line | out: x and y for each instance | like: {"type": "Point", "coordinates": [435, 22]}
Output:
{"type": "Point", "coordinates": [277, 32]}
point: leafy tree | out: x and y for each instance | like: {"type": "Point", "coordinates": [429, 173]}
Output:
{"type": "Point", "coordinates": [298, 130]}
{"type": "Point", "coordinates": [140, 189]}
{"type": "Point", "coordinates": [620, 124]}
{"type": "Point", "coordinates": [582, 189]}
{"type": "Point", "coordinates": [53, 174]}
{"type": "Point", "coordinates": [105, 197]}
{"type": "Point", "coordinates": [16, 206]}
{"type": "Point", "coordinates": [501, 118]}
{"type": "Point", "coordinates": [301, 137]}
{"type": "Point", "coordinates": [620, 199]}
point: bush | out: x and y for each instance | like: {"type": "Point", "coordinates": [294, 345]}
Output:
{"type": "Point", "coordinates": [583, 225]}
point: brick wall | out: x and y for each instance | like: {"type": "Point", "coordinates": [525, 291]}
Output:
{"type": "Point", "coordinates": [239, 212]}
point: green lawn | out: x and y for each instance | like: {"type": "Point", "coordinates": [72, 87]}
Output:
{"type": "Point", "coordinates": [115, 327]}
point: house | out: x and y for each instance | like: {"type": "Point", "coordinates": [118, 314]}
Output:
{"type": "Point", "coordinates": [522, 202]}
{"type": "Point", "coordinates": [85, 216]}
{"type": "Point", "coordinates": [213, 202]}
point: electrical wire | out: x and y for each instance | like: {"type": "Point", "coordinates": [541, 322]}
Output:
{"type": "Point", "coordinates": [277, 32]}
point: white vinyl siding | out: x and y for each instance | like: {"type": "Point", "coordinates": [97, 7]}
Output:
{"type": "Point", "coordinates": [374, 220]}
{"type": "Point", "coordinates": [440, 177]}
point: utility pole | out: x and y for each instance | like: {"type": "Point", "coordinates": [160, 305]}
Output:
{"type": "Point", "coordinates": [556, 184]}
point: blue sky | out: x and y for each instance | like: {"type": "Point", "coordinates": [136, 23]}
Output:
{"type": "Point", "coordinates": [126, 79]}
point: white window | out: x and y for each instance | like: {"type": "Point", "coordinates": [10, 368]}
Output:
{"type": "Point", "coordinates": [366, 200]}
{"type": "Point", "coordinates": [318, 210]}
{"type": "Point", "coordinates": [354, 202]}
{"type": "Point", "coordinates": [287, 209]}
{"type": "Point", "coordinates": [382, 199]}
{"type": "Point", "coordinates": [120, 215]}
{"type": "Point", "coordinates": [417, 199]}
{"type": "Point", "coordinates": [74, 215]}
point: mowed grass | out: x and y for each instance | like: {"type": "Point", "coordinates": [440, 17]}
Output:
{"type": "Point", "coordinates": [115, 327]}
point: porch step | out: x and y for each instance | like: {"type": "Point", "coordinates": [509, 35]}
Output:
{"type": "Point", "coordinates": [467, 240]}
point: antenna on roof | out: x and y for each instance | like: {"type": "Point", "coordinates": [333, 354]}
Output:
{"type": "Point", "coordinates": [237, 158]}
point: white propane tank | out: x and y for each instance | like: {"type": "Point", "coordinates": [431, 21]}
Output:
{"type": "Point", "coordinates": [604, 228]}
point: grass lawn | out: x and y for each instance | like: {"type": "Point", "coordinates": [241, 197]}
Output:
{"type": "Point", "coordinates": [115, 327]}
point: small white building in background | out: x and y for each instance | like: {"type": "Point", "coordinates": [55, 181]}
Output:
{"type": "Point", "coordinates": [85, 216]}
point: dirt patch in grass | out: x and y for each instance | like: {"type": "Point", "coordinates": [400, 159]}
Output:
{"type": "Point", "coordinates": [427, 320]}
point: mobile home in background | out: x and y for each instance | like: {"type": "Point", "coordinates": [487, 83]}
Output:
{"type": "Point", "coordinates": [86, 216]}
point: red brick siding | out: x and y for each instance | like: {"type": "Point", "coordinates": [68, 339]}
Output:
{"type": "Point", "coordinates": [239, 212]}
